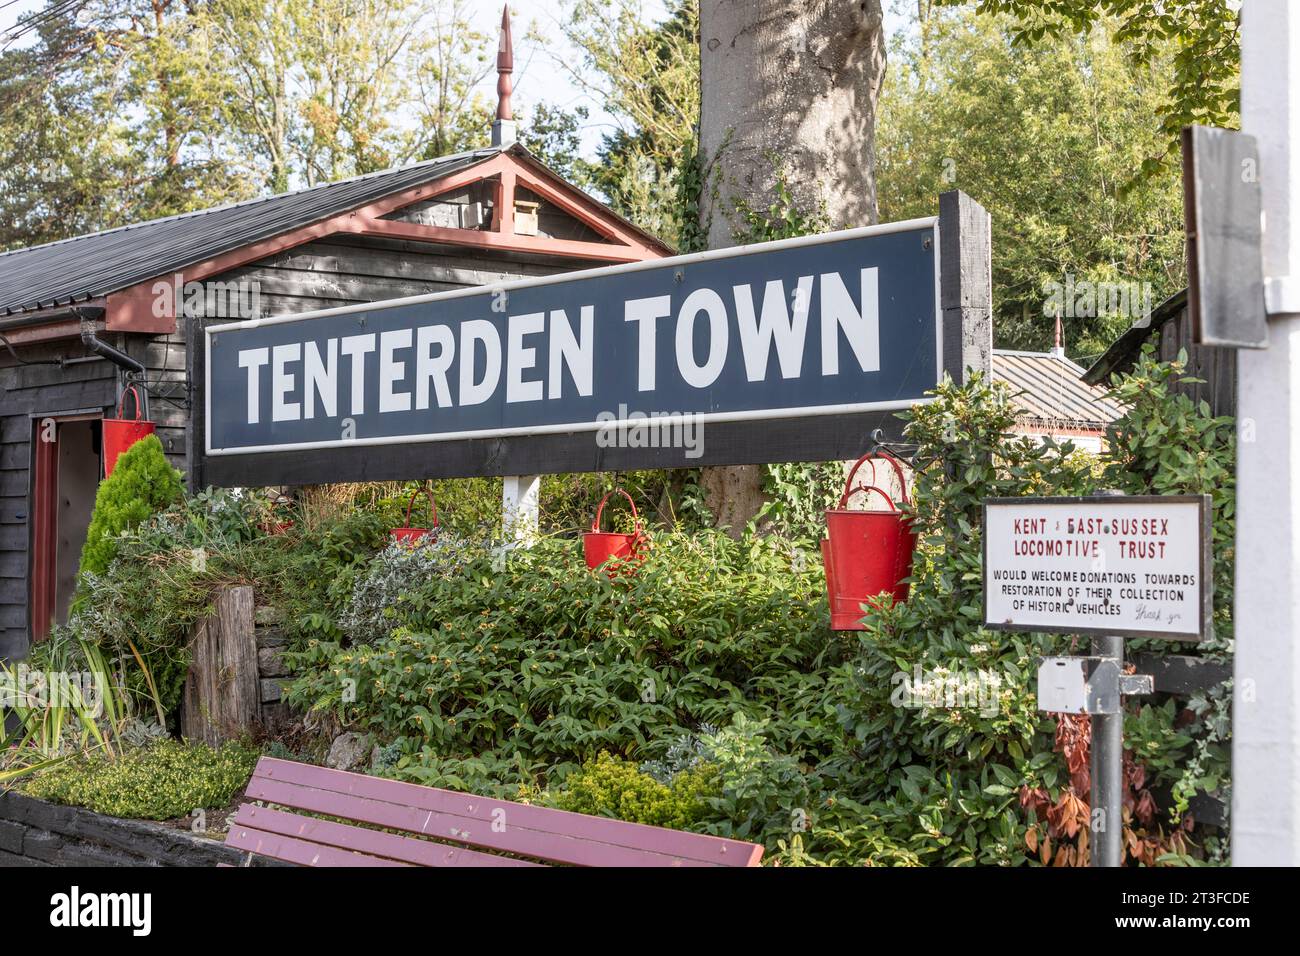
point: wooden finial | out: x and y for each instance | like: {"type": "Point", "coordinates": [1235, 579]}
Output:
{"type": "Point", "coordinates": [1058, 330]}
{"type": "Point", "coordinates": [505, 66]}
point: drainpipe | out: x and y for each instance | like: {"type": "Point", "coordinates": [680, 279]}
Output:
{"type": "Point", "coordinates": [128, 365]}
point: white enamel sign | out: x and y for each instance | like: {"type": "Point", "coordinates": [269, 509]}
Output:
{"type": "Point", "coordinates": [1128, 566]}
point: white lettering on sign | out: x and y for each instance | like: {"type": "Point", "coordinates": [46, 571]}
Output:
{"type": "Point", "coordinates": [1118, 565]}
{"type": "Point", "coordinates": [303, 380]}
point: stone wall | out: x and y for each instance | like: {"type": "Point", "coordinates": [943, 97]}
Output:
{"type": "Point", "coordinates": [36, 833]}
{"type": "Point", "coordinates": [271, 670]}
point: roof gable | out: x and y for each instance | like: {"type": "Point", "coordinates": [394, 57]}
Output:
{"type": "Point", "coordinates": [119, 266]}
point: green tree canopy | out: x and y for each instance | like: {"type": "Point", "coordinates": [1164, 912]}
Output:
{"type": "Point", "coordinates": [1048, 137]}
{"type": "Point", "coordinates": [118, 111]}
{"type": "Point", "coordinates": [1195, 44]}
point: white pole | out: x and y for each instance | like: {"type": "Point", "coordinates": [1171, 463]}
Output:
{"type": "Point", "coordinates": [519, 507]}
{"type": "Point", "coordinates": [1266, 670]}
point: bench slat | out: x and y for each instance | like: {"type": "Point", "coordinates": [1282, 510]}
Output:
{"type": "Point", "coordinates": [556, 835]}
{"type": "Point", "coordinates": [303, 852]}
{"type": "Point", "coordinates": [373, 842]}
{"type": "Point", "coordinates": [554, 847]}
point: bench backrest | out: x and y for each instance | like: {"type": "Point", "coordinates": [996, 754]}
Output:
{"type": "Point", "coordinates": [463, 824]}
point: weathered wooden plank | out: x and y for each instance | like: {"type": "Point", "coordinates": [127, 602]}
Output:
{"type": "Point", "coordinates": [165, 354]}
{"type": "Point", "coordinates": [13, 482]}
{"type": "Point", "coordinates": [13, 564]}
{"type": "Point", "coordinates": [220, 699]}
{"type": "Point", "coordinates": [373, 842]}
{"type": "Point", "coordinates": [42, 376]}
{"type": "Point", "coordinates": [70, 396]}
{"type": "Point", "coordinates": [539, 832]}
{"type": "Point", "coordinates": [1181, 674]}
{"type": "Point", "coordinates": [195, 478]}
{"type": "Point", "coordinates": [965, 285]}
{"type": "Point", "coordinates": [13, 509]}
{"type": "Point", "coordinates": [414, 263]}
{"type": "Point", "coordinates": [13, 591]}
{"type": "Point", "coordinates": [294, 305]}
{"type": "Point", "coordinates": [458, 257]}
{"type": "Point", "coordinates": [16, 454]}
{"type": "Point", "coordinates": [352, 288]}
{"type": "Point", "coordinates": [297, 851]}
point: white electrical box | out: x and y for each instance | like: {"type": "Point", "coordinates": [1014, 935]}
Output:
{"type": "Point", "coordinates": [1063, 685]}
{"type": "Point", "coordinates": [1085, 685]}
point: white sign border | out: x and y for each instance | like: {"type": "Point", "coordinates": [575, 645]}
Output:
{"type": "Point", "coordinates": [907, 225]}
{"type": "Point", "coordinates": [1206, 566]}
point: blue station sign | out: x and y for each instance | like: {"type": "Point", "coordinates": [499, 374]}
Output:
{"type": "Point", "coordinates": [830, 324]}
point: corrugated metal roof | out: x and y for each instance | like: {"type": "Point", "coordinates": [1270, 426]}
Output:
{"type": "Point", "coordinates": [90, 266]}
{"type": "Point", "coordinates": [1049, 388]}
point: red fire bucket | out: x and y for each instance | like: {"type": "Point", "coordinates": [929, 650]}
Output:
{"type": "Point", "coordinates": [601, 546]}
{"type": "Point", "coordinates": [408, 535]}
{"type": "Point", "coordinates": [866, 552]}
{"type": "Point", "coordinates": [121, 433]}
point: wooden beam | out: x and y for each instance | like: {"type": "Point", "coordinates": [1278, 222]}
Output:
{"type": "Point", "coordinates": [500, 241]}
{"type": "Point", "coordinates": [221, 700]}
{"type": "Point", "coordinates": [31, 335]}
{"type": "Point", "coordinates": [503, 219]}
{"type": "Point", "coordinates": [603, 223]}
{"type": "Point", "coordinates": [431, 190]}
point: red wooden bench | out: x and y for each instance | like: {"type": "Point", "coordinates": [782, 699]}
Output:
{"type": "Point", "coordinates": [449, 828]}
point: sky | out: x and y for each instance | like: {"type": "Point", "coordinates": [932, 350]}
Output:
{"type": "Point", "coordinates": [539, 74]}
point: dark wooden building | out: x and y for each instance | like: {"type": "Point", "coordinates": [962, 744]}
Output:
{"type": "Point", "coordinates": [1170, 326]}
{"type": "Point", "coordinates": [83, 318]}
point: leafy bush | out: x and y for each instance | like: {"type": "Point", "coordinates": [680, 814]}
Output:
{"type": "Point", "coordinates": [517, 671]}
{"type": "Point", "coordinates": [520, 669]}
{"type": "Point", "coordinates": [165, 780]}
{"type": "Point", "coordinates": [612, 787]}
{"type": "Point", "coordinates": [396, 571]}
{"type": "Point", "coordinates": [141, 484]}
{"type": "Point", "coordinates": [527, 663]}
{"type": "Point", "coordinates": [764, 795]}
{"type": "Point", "coordinates": [141, 609]}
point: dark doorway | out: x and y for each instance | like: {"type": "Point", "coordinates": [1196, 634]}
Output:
{"type": "Point", "coordinates": [67, 465]}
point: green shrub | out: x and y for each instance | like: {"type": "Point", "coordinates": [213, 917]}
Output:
{"type": "Point", "coordinates": [163, 781]}
{"type": "Point", "coordinates": [162, 580]}
{"type": "Point", "coordinates": [612, 787]}
{"type": "Point", "coordinates": [394, 572]}
{"type": "Point", "coordinates": [529, 663]}
{"type": "Point", "coordinates": [141, 484]}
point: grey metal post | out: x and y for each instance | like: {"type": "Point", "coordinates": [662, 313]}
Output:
{"type": "Point", "coordinates": [1107, 760]}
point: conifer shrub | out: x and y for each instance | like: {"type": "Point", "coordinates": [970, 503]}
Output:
{"type": "Point", "coordinates": [142, 483]}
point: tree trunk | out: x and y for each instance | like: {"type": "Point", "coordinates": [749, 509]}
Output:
{"type": "Point", "coordinates": [788, 85]}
